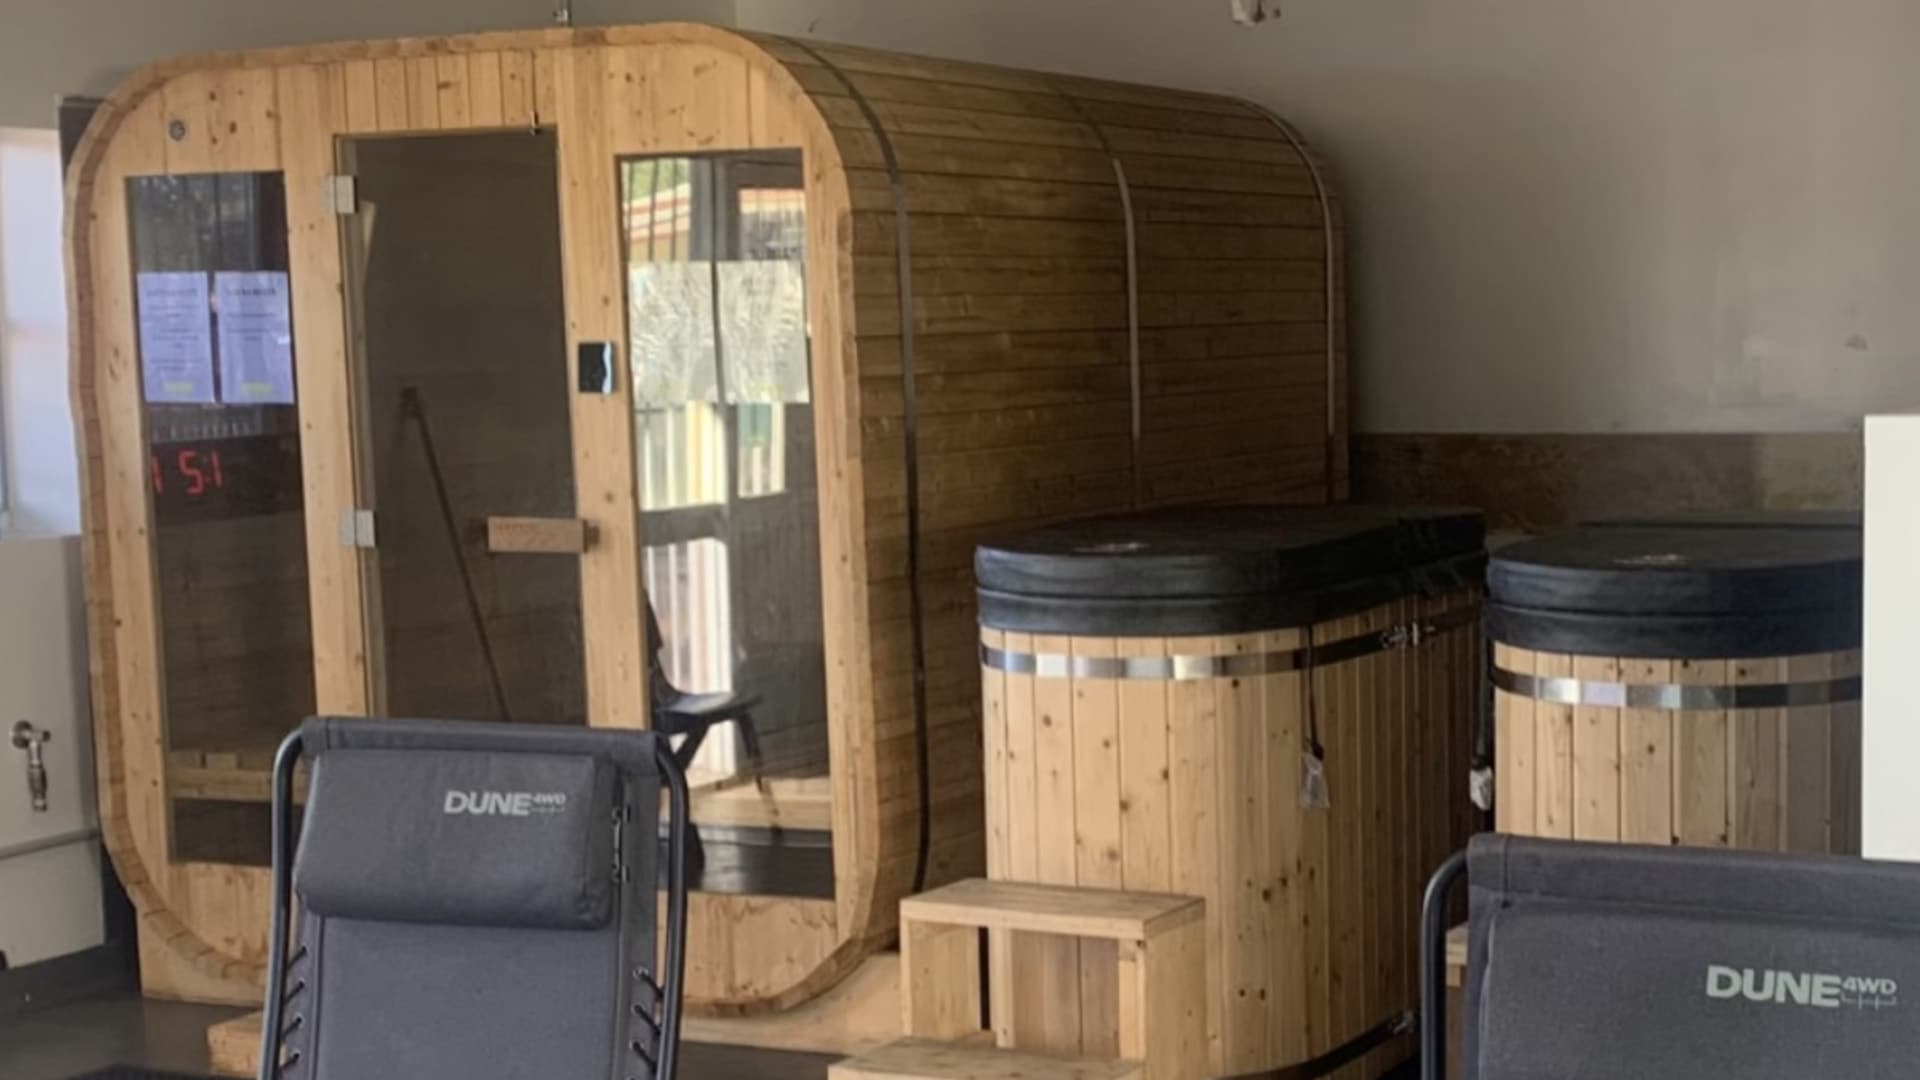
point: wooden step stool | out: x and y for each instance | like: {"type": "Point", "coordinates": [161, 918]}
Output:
{"type": "Point", "coordinates": [926, 1059]}
{"type": "Point", "coordinates": [1159, 983]}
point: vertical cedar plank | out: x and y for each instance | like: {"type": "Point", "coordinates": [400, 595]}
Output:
{"type": "Point", "coordinates": [1244, 887]}
{"type": "Point", "coordinates": [1702, 788]}
{"type": "Point", "coordinates": [610, 586]}
{"type": "Point", "coordinates": [1646, 760]}
{"type": "Point", "coordinates": [483, 90]}
{"type": "Point", "coordinates": [1808, 763]}
{"type": "Point", "coordinates": [1146, 812]}
{"type": "Point", "coordinates": [1596, 757]}
{"type": "Point", "coordinates": [939, 980]}
{"type": "Point", "coordinates": [1553, 747]}
{"type": "Point", "coordinates": [1286, 838]}
{"type": "Point", "coordinates": [1096, 836]}
{"type": "Point", "coordinates": [363, 97]}
{"type": "Point", "coordinates": [1012, 1004]}
{"type": "Point", "coordinates": [1756, 739]}
{"type": "Point", "coordinates": [313, 106]}
{"type": "Point", "coordinates": [1341, 729]}
{"type": "Point", "coordinates": [246, 135]}
{"type": "Point", "coordinates": [1394, 784]}
{"type": "Point", "coordinates": [1362, 801]}
{"type": "Point", "coordinates": [516, 88]}
{"type": "Point", "coordinates": [1162, 996]}
{"type": "Point", "coordinates": [993, 715]}
{"type": "Point", "coordinates": [1844, 722]}
{"type": "Point", "coordinates": [1196, 778]}
{"type": "Point", "coordinates": [1049, 970]}
{"type": "Point", "coordinates": [451, 90]}
{"type": "Point", "coordinates": [423, 92]}
{"type": "Point", "coordinates": [1319, 688]}
{"type": "Point", "coordinates": [390, 95]}
{"type": "Point", "coordinates": [191, 103]}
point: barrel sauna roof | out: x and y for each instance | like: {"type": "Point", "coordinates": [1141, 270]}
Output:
{"type": "Point", "coordinates": [1180, 250]}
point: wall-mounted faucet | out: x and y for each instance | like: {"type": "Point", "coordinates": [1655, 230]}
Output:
{"type": "Point", "coordinates": [34, 740]}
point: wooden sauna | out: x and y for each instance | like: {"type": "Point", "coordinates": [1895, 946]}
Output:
{"type": "Point", "coordinates": [609, 376]}
{"type": "Point", "coordinates": [1681, 679]}
{"type": "Point", "coordinates": [1269, 708]}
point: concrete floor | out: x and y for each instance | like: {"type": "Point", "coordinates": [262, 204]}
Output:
{"type": "Point", "coordinates": [73, 1039]}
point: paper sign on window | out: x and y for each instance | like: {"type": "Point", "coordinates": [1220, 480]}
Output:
{"type": "Point", "coordinates": [256, 338]}
{"type": "Point", "coordinates": [176, 338]}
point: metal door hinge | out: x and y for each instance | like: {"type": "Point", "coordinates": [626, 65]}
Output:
{"type": "Point", "coordinates": [356, 528]}
{"type": "Point", "coordinates": [341, 195]}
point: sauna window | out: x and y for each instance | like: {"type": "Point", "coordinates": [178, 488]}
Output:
{"type": "Point", "coordinates": [213, 314]}
{"type": "Point", "coordinates": [724, 443]}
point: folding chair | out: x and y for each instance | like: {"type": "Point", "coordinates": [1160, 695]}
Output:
{"type": "Point", "coordinates": [1601, 960]}
{"type": "Point", "coordinates": [477, 902]}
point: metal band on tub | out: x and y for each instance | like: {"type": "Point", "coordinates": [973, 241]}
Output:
{"type": "Point", "coordinates": [1188, 667]}
{"type": "Point", "coordinates": [1677, 697]}
{"type": "Point", "coordinates": [910, 433]}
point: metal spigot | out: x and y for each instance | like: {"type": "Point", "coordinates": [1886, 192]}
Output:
{"type": "Point", "coordinates": [34, 740]}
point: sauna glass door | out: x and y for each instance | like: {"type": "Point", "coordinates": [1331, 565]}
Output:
{"type": "Point", "coordinates": [213, 314]}
{"type": "Point", "coordinates": [730, 516]}
{"type": "Point", "coordinates": [456, 309]}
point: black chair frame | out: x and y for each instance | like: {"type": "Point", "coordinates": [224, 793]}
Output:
{"type": "Point", "coordinates": [671, 992]}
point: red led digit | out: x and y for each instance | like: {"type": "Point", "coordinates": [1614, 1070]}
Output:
{"type": "Point", "coordinates": [188, 461]}
{"type": "Point", "coordinates": [219, 478]}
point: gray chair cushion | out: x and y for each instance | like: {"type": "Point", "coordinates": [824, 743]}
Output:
{"type": "Point", "coordinates": [459, 838]}
{"type": "Point", "coordinates": [1603, 961]}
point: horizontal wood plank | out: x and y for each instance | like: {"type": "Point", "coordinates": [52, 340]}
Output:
{"type": "Point", "coordinates": [1052, 909]}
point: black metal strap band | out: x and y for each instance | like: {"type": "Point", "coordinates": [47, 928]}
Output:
{"type": "Point", "coordinates": [910, 436]}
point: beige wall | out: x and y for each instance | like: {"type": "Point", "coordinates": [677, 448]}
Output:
{"type": "Point", "coordinates": [54, 47]}
{"type": "Point", "coordinates": [1583, 217]}
{"type": "Point", "coordinates": [1623, 216]}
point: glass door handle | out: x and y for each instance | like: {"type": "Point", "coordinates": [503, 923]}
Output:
{"type": "Point", "coordinates": [34, 741]}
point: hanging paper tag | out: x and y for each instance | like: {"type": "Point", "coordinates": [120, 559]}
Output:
{"type": "Point", "coordinates": [1313, 780]}
{"type": "Point", "coordinates": [1480, 788]}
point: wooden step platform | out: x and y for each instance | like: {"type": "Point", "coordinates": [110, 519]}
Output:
{"type": "Point", "coordinates": [921, 1059]}
{"type": "Point", "coordinates": [1053, 909]}
{"type": "Point", "coordinates": [1141, 956]}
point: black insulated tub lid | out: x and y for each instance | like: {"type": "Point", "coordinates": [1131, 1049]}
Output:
{"type": "Point", "coordinates": [1740, 519]}
{"type": "Point", "coordinates": [1681, 589]}
{"type": "Point", "coordinates": [1223, 569]}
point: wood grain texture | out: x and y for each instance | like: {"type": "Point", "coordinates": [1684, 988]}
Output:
{"type": "Point", "coordinates": [929, 1060]}
{"type": "Point", "coordinates": [1756, 779]}
{"type": "Point", "coordinates": [1234, 246]}
{"type": "Point", "coordinates": [539, 536]}
{"type": "Point", "coordinates": [1307, 936]}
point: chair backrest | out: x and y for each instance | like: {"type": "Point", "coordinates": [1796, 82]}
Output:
{"type": "Point", "coordinates": [1601, 960]}
{"type": "Point", "coordinates": [476, 900]}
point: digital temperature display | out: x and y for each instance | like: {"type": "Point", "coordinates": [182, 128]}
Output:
{"type": "Point", "coordinates": [224, 478]}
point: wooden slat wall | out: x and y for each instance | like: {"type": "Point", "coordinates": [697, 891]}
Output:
{"type": "Point", "coordinates": [1019, 275]}
{"type": "Point", "coordinates": [1193, 787]}
{"type": "Point", "coordinates": [1757, 779]}
{"type": "Point", "coordinates": [1018, 251]}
